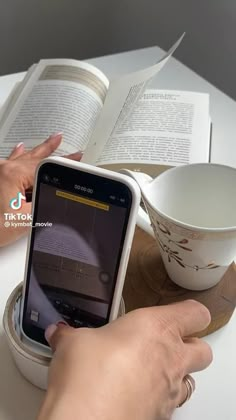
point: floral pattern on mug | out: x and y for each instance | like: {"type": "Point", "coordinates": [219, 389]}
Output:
{"type": "Point", "coordinates": [183, 243]}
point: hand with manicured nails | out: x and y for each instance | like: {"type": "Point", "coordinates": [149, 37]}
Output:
{"type": "Point", "coordinates": [130, 369]}
{"type": "Point", "coordinates": [17, 176]}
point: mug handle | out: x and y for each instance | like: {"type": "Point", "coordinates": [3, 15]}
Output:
{"type": "Point", "coordinates": [143, 221]}
{"type": "Point", "coordinates": [142, 179]}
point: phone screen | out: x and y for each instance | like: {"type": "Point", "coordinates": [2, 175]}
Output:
{"type": "Point", "coordinates": [79, 225]}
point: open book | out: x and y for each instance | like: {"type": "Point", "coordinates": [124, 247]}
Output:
{"type": "Point", "coordinates": [117, 124]}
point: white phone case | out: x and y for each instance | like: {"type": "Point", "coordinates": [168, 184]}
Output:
{"type": "Point", "coordinates": [136, 195]}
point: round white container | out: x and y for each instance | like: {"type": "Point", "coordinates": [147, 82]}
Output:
{"type": "Point", "coordinates": [32, 362]}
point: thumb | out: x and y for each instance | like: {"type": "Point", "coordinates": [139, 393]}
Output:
{"type": "Point", "coordinates": [55, 333]}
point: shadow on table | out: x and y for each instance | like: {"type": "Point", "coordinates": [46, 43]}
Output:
{"type": "Point", "coordinates": [18, 398]}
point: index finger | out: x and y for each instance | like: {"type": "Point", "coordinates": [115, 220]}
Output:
{"type": "Point", "coordinates": [55, 333]}
{"type": "Point", "coordinates": [188, 317]}
{"type": "Point", "coordinates": [46, 148]}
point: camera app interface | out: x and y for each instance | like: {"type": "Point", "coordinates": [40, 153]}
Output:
{"type": "Point", "coordinates": [74, 262]}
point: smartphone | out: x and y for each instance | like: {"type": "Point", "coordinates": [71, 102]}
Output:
{"type": "Point", "coordinates": [82, 229]}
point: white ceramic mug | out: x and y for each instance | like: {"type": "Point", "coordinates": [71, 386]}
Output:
{"type": "Point", "coordinates": [192, 209]}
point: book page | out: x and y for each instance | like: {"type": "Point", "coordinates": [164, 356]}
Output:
{"type": "Point", "coordinates": [14, 93]}
{"type": "Point", "coordinates": [166, 128]}
{"type": "Point", "coordinates": [13, 96]}
{"type": "Point", "coordinates": [122, 95]}
{"type": "Point", "coordinates": [60, 95]}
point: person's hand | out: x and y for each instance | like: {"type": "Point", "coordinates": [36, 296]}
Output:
{"type": "Point", "coordinates": [17, 176]}
{"type": "Point", "coordinates": [131, 369]}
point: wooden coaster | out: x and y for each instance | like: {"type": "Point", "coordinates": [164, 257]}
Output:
{"type": "Point", "coordinates": [147, 284]}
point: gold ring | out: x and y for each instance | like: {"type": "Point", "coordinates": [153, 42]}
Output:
{"type": "Point", "coordinates": [190, 386]}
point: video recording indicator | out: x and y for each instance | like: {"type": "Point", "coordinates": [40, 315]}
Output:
{"type": "Point", "coordinates": [96, 190]}
{"type": "Point", "coordinates": [82, 200]}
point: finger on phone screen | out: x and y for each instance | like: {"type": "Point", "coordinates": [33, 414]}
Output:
{"type": "Point", "coordinates": [55, 333]}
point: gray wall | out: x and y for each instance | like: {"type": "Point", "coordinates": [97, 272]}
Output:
{"type": "Point", "coordinates": [34, 29]}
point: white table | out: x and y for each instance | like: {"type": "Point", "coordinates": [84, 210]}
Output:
{"type": "Point", "coordinates": [214, 398]}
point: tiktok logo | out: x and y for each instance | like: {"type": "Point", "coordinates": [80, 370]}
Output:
{"type": "Point", "coordinates": [16, 203]}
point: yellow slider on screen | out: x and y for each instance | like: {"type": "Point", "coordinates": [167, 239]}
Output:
{"type": "Point", "coordinates": [82, 200]}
